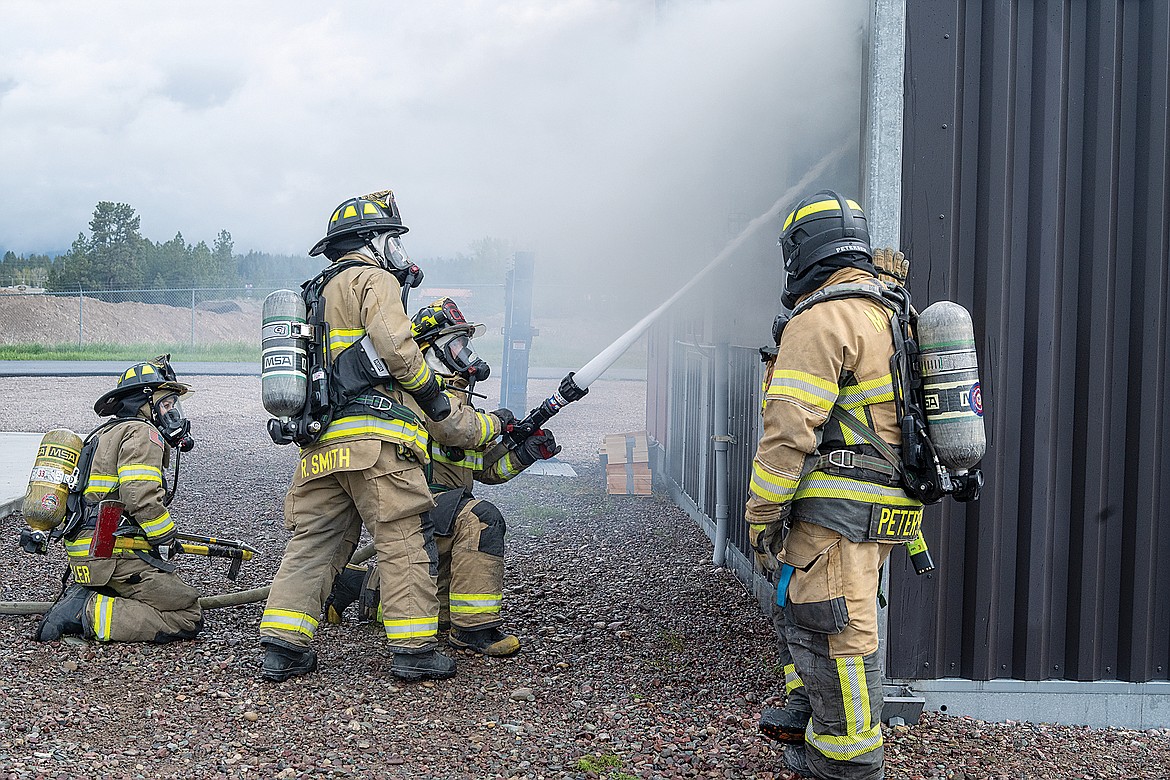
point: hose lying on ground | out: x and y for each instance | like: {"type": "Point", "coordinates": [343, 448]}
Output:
{"type": "Point", "coordinates": [218, 601]}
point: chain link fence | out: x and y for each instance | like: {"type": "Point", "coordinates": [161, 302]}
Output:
{"type": "Point", "coordinates": [196, 316]}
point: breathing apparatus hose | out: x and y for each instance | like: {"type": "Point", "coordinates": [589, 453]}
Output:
{"type": "Point", "coordinates": [218, 601]}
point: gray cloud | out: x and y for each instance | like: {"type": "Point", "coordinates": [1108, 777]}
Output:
{"type": "Point", "coordinates": [580, 129]}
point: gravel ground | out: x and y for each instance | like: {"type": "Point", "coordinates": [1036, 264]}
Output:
{"type": "Point", "coordinates": [640, 660]}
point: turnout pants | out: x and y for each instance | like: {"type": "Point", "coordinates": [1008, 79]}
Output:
{"type": "Point", "coordinates": [133, 601]}
{"type": "Point", "coordinates": [471, 566]}
{"type": "Point", "coordinates": [829, 628]}
{"type": "Point", "coordinates": [326, 515]}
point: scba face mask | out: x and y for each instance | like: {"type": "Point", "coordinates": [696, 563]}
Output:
{"type": "Point", "coordinates": [389, 251]}
{"type": "Point", "coordinates": [455, 354]}
{"type": "Point", "coordinates": [172, 424]}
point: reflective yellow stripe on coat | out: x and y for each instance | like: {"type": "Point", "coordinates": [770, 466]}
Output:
{"type": "Point", "coordinates": [367, 425]}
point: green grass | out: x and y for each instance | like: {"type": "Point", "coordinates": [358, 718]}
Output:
{"type": "Point", "coordinates": [224, 352]}
{"type": "Point", "coordinates": [598, 764]}
{"type": "Point", "coordinates": [543, 512]}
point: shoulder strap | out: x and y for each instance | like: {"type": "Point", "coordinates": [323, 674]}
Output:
{"type": "Point", "coordinates": [875, 291]}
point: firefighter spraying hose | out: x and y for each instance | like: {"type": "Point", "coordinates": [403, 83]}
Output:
{"type": "Point", "coordinates": [576, 384]}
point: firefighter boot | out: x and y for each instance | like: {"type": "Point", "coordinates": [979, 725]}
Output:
{"type": "Point", "coordinates": [784, 724]}
{"type": "Point", "coordinates": [64, 619]}
{"type": "Point", "coordinates": [283, 660]}
{"type": "Point", "coordinates": [430, 664]}
{"type": "Point", "coordinates": [796, 761]}
{"type": "Point", "coordinates": [485, 641]}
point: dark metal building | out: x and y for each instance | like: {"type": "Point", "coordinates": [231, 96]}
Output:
{"type": "Point", "coordinates": [1036, 192]}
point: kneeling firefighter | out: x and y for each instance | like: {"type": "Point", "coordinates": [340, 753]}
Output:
{"type": "Point", "coordinates": [819, 492]}
{"type": "Point", "coordinates": [469, 532]}
{"type": "Point", "coordinates": [128, 595]}
{"type": "Point", "coordinates": [363, 462]}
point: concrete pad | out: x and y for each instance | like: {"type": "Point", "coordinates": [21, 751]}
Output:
{"type": "Point", "coordinates": [17, 453]}
{"type": "Point", "coordinates": [550, 468]}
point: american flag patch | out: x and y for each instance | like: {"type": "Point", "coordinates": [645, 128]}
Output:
{"type": "Point", "coordinates": [155, 437]}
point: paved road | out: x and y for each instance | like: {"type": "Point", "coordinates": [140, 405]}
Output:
{"type": "Point", "coordinates": [113, 368]}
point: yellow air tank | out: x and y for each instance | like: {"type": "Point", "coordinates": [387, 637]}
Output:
{"type": "Point", "coordinates": [48, 486]}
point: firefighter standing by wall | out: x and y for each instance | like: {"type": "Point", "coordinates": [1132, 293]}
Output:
{"type": "Point", "coordinates": [366, 467]}
{"type": "Point", "coordinates": [469, 532]}
{"type": "Point", "coordinates": [134, 596]}
{"type": "Point", "coordinates": [816, 493]}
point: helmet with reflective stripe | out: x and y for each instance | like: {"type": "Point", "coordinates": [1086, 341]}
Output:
{"type": "Point", "coordinates": [821, 227]}
{"type": "Point", "coordinates": [443, 334]}
{"type": "Point", "coordinates": [140, 382]}
{"type": "Point", "coordinates": [362, 218]}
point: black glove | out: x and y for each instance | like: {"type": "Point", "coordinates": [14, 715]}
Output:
{"type": "Point", "coordinates": [539, 446]}
{"type": "Point", "coordinates": [506, 417]}
{"type": "Point", "coordinates": [432, 400]}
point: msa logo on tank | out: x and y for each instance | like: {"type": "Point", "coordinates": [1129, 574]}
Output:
{"type": "Point", "coordinates": [318, 463]}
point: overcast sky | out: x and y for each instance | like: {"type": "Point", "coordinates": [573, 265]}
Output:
{"type": "Point", "coordinates": [575, 129]}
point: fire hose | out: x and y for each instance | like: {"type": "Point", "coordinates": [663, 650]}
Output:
{"type": "Point", "coordinates": [218, 601]}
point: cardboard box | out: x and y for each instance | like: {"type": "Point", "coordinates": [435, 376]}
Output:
{"type": "Point", "coordinates": [626, 459]}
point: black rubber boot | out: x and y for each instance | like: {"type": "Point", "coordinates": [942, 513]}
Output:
{"type": "Point", "coordinates": [784, 725]}
{"type": "Point", "coordinates": [427, 665]}
{"type": "Point", "coordinates": [485, 641]}
{"type": "Point", "coordinates": [64, 619]}
{"type": "Point", "coordinates": [283, 660]}
{"type": "Point", "coordinates": [796, 761]}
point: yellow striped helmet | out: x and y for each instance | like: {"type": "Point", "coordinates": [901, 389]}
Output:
{"type": "Point", "coordinates": [820, 227]}
{"type": "Point", "coordinates": [142, 380]}
{"type": "Point", "coordinates": [360, 218]}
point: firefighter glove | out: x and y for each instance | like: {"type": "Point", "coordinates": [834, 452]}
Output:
{"type": "Point", "coordinates": [433, 400]}
{"type": "Point", "coordinates": [892, 266]}
{"type": "Point", "coordinates": [505, 416]}
{"type": "Point", "coordinates": [539, 446]}
{"type": "Point", "coordinates": [762, 538]}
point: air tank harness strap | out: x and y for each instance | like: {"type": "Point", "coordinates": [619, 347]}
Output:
{"type": "Point", "coordinates": [386, 408]}
{"type": "Point", "coordinates": [844, 461]}
{"type": "Point", "coordinates": [379, 406]}
{"type": "Point", "coordinates": [877, 442]}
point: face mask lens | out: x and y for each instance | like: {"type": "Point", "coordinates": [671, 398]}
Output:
{"type": "Point", "coordinates": [396, 254]}
{"type": "Point", "coordinates": [460, 352]}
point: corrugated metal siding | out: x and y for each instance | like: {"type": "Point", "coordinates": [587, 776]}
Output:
{"type": "Point", "coordinates": [1036, 193]}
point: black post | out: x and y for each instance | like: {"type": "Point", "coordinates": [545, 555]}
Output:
{"type": "Point", "coordinates": [518, 333]}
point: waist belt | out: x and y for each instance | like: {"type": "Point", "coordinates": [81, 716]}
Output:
{"type": "Point", "coordinates": [379, 406]}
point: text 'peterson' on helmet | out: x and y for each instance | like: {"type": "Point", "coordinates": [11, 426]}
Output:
{"type": "Point", "coordinates": [367, 215]}
{"type": "Point", "coordinates": [820, 227]}
{"type": "Point", "coordinates": [145, 379]}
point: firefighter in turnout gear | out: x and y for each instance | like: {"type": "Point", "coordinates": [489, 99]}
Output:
{"type": "Point", "coordinates": [133, 595]}
{"type": "Point", "coordinates": [824, 508]}
{"type": "Point", "coordinates": [469, 532]}
{"type": "Point", "coordinates": [366, 467]}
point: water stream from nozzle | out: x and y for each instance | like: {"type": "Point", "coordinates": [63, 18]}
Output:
{"type": "Point", "coordinates": [576, 384]}
{"type": "Point", "coordinates": [608, 356]}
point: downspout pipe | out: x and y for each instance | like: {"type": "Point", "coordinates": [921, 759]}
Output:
{"type": "Point", "coordinates": [720, 438]}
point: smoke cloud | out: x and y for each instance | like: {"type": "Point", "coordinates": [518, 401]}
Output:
{"type": "Point", "coordinates": [616, 139]}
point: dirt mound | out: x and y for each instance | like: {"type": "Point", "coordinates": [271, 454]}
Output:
{"type": "Point", "coordinates": [51, 319]}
